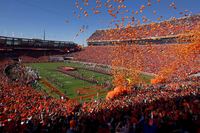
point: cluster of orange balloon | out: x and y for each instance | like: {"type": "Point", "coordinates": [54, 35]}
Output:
{"type": "Point", "coordinates": [184, 55]}
{"type": "Point", "coordinates": [81, 9]}
{"type": "Point", "coordinates": [115, 92]}
{"type": "Point", "coordinates": [125, 68]}
{"type": "Point", "coordinates": [114, 8]}
{"type": "Point", "coordinates": [119, 8]}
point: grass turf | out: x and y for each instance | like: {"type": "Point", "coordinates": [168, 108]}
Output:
{"type": "Point", "coordinates": [69, 84]}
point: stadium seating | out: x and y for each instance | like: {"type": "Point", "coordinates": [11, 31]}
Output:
{"type": "Point", "coordinates": [170, 28]}
{"type": "Point", "coordinates": [22, 104]}
{"type": "Point", "coordinates": [154, 56]}
{"type": "Point", "coordinates": [174, 107]}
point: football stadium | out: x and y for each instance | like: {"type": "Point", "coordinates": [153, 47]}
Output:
{"type": "Point", "coordinates": [134, 77]}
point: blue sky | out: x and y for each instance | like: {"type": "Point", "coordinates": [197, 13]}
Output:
{"type": "Point", "coordinates": [29, 18]}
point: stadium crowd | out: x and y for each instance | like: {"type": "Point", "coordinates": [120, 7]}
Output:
{"type": "Point", "coordinates": [145, 108]}
{"type": "Point", "coordinates": [148, 109]}
{"type": "Point", "coordinates": [95, 54]}
{"type": "Point", "coordinates": [165, 28]}
{"type": "Point", "coordinates": [154, 57]}
{"type": "Point", "coordinates": [24, 109]}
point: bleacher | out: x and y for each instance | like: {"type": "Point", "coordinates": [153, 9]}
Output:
{"type": "Point", "coordinates": [13, 43]}
{"type": "Point", "coordinates": [165, 32]}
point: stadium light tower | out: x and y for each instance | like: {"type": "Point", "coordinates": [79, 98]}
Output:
{"type": "Point", "coordinates": [44, 36]}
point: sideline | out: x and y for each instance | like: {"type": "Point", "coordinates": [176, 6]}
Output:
{"type": "Point", "coordinates": [52, 88]}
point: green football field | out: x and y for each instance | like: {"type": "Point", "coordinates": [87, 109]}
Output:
{"type": "Point", "coordinates": [68, 84]}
